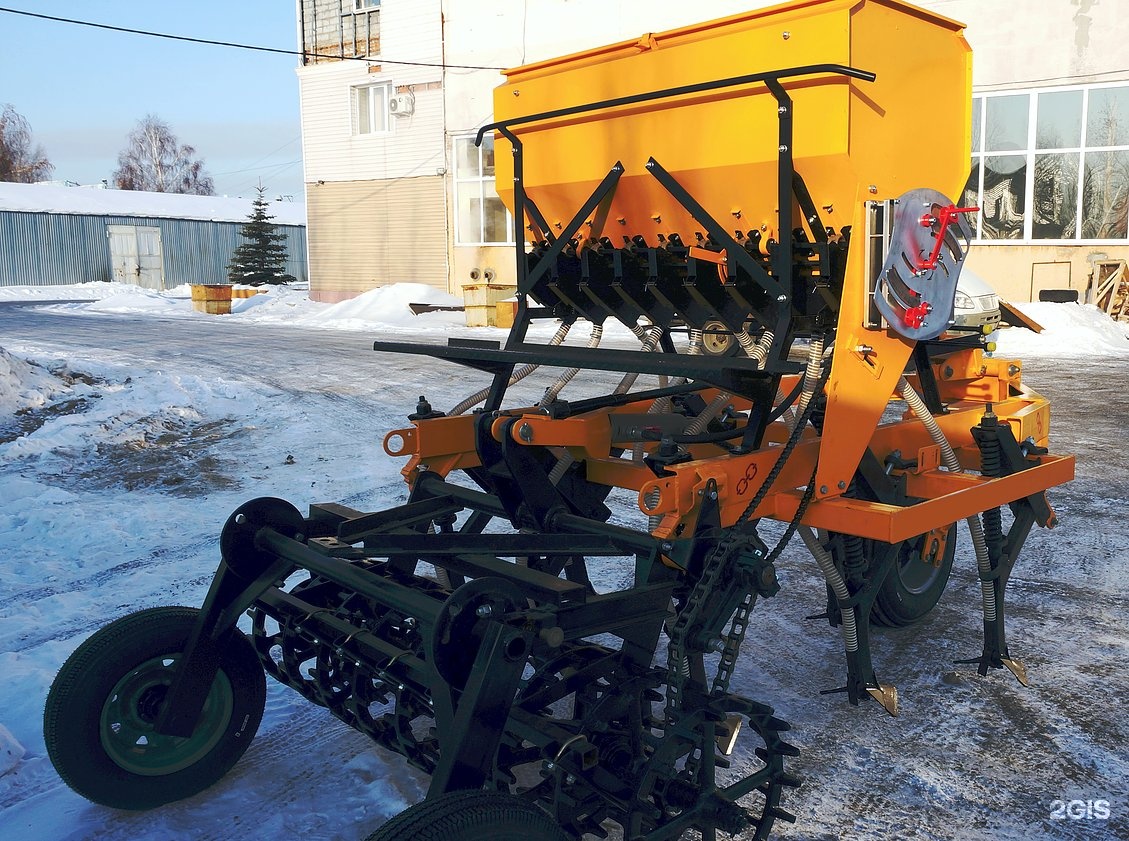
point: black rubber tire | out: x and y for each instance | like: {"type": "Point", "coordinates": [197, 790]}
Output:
{"type": "Point", "coordinates": [913, 586]}
{"type": "Point", "coordinates": [138, 647]}
{"type": "Point", "coordinates": [471, 816]}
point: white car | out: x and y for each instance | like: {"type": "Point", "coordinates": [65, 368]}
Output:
{"type": "Point", "coordinates": [976, 303]}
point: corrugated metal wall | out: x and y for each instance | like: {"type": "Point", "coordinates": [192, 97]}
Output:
{"type": "Point", "coordinates": [48, 249]}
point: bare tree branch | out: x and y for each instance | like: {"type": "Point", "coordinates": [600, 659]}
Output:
{"type": "Point", "coordinates": [20, 161]}
{"type": "Point", "coordinates": [153, 161]}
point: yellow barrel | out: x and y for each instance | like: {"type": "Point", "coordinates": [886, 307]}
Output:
{"type": "Point", "coordinates": [853, 140]}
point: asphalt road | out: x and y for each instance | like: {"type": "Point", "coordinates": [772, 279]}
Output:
{"type": "Point", "coordinates": [969, 757]}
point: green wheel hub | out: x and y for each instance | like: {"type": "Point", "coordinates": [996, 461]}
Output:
{"type": "Point", "coordinates": [127, 727]}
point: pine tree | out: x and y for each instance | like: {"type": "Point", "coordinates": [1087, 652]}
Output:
{"type": "Point", "coordinates": [262, 256]}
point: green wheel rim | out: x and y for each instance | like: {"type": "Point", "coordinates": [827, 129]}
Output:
{"type": "Point", "coordinates": [130, 714]}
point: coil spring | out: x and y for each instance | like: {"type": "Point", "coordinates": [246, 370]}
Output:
{"type": "Point", "coordinates": [854, 560]}
{"type": "Point", "coordinates": [991, 465]}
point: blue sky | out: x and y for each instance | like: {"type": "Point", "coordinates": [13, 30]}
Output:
{"type": "Point", "coordinates": [83, 90]}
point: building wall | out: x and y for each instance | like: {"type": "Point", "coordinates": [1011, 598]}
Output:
{"type": "Point", "coordinates": [50, 249]}
{"type": "Point", "coordinates": [1045, 44]}
{"type": "Point", "coordinates": [331, 30]}
{"type": "Point", "coordinates": [372, 233]}
{"type": "Point", "coordinates": [376, 203]}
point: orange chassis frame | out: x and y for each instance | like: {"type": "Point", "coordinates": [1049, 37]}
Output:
{"type": "Point", "coordinates": [968, 382]}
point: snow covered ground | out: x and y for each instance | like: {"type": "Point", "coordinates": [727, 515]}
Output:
{"type": "Point", "coordinates": [131, 426]}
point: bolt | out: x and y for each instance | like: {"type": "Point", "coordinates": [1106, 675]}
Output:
{"type": "Point", "coordinates": [550, 765]}
{"type": "Point", "coordinates": [409, 622]}
{"type": "Point", "coordinates": [525, 432]}
{"type": "Point", "coordinates": [873, 188]}
{"type": "Point", "coordinates": [570, 779]}
{"type": "Point", "coordinates": [666, 546]}
{"type": "Point", "coordinates": [948, 372]}
{"type": "Point", "coordinates": [823, 489]}
{"type": "Point", "coordinates": [782, 148]}
{"type": "Point", "coordinates": [780, 299]}
{"type": "Point", "coordinates": [1012, 370]}
{"type": "Point", "coordinates": [240, 518]}
{"type": "Point", "coordinates": [483, 611]}
{"type": "Point", "coordinates": [782, 110]}
{"type": "Point", "coordinates": [713, 494]}
{"type": "Point", "coordinates": [786, 34]}
{"type": "Point", "coordinates": [842, 484]}
{"type": "Point", "coordinates": [716, 645]}
{"type": "Point", "coordinates": [301, 538]}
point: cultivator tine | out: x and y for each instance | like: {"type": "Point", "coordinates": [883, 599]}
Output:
{"type": "Point", "coordinates": [887, 697]}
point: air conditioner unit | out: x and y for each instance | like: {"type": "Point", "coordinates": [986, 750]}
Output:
{"type": "Point", "coordinates": [401, 105]}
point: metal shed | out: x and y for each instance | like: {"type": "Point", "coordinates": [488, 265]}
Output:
{"type": "Point", "coordinates": [53, 235]}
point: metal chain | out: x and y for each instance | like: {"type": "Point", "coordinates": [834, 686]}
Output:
{"type": "Point", "coordinates": [720, 561]}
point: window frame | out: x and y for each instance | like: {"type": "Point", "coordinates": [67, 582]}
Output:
{"type": "Point", "coordinates": [355, 97]}
{"type": "Point", "coordinates": [360, 7]}
{"type": "Point", "coordinates": [1031, 154]}
{"type": "Point", "coordinates": [481, 187]}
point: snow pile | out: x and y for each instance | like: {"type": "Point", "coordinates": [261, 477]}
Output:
{"type": "Point", "coordinates": [1068, 330]}
{"type": "Point", "coordinates": [139, 300]}
{"type": "Point", "coordinates": [11, 751]}
{"type": "Point", "coordinates": [25, 385]}
{"type": "Point", "coordinates": [71, 292]}
{"type": "Point", "coordinates": [388, 305]}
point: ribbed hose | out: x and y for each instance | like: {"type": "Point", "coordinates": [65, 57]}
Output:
{"type": "Point", "coordinates": [518, 375]}
{"type": "Point", "coordinates": [811, 374]}
{"type": "Point", "coordinates": [949, 459]}
{"type": "Point", "coordinates": [649, 336]}
{"type": "Point", "coordinates": [755, 349]}
{"type": "Point", "coordinates": [555, 389]}
{"type": "Point", "coordinates": [835, 582]}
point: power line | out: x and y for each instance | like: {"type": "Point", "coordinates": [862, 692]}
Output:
{"type": "Point", "coordinates": [275, 50]}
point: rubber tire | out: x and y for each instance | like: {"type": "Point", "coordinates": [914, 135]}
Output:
{"type": "Point", "coordinates": [74, 709]}
{"type": "Point", "coordinates": [899, 605]}
{"type": "Point", "coordinates": [471, 816]}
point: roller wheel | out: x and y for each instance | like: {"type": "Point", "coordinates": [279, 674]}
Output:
{"type": "Point", "coordinates": [913, 586]}
{"type": "Point", "coordinates": [471, 816]}
{"type": "Point", "coordinates": [100, 713]}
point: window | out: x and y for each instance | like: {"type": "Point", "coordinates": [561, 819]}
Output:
{"type": "Point", "coordinates": [480, 216]}
{"type": "Point", "coordinates": [1051, 164]}
{"type": "Point", "coordinates": [370, 109]}
{"type": "Point", "coordinates": [365, 5]}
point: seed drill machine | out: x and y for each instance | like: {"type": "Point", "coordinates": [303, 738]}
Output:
{"type": "Point", "coordinates": [762, 204]}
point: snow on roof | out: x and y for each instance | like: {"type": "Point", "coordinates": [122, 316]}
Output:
{"type": "Point", "coordinates": [94, 201]}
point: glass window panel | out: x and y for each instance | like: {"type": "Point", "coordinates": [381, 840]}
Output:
{"type": "Point", "coordinates": [364, 121]}
{"type": "Point", "coordinates": [378, 99]}
{"type": "Point", "coordinates": [970, 196]}
{"type": "Point", "coordinates": [466, 158]}
{"type": "Point", "coordinates": [495, 227]}
{"type": "Point", "coordinates": [1006, 123]}
{"type": "Point", "coordinates": [1107, 118]}
{"type": "Point", "coordinates": [488, 155]}
{"type": "Point", "coordinates": [1059, 121]}
{"type": "Point", "coordinates": [977, 108]}
{"type": "Point", "coordinates": [1003, 204]}
{"type": "Point", "coordinates": [470, 214]}
{"type": "Point", "coordinates": [1105, 185]}
{"type": "Point", "coordinates": [1055, 204]}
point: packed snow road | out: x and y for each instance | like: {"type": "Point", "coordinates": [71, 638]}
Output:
{"type": "Point", "coordinates": [140, 434]}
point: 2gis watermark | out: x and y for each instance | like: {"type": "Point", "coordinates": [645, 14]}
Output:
{"type": "Point", "coordinates": [1088, 809]}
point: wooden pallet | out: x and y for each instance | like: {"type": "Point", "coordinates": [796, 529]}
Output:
{"type": "Point", "coordinates": [1112, 288]}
